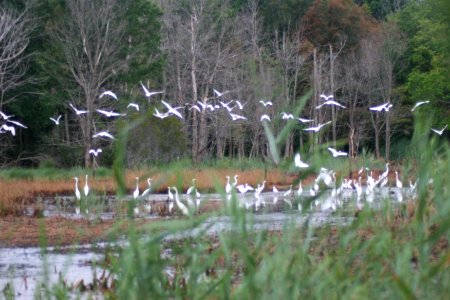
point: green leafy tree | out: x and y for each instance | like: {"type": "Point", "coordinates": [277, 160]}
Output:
{"type": "Point", "coordinates": [426, 25]}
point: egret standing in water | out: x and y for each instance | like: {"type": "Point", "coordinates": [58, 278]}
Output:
{"type": "Point", "coordinates": [190, 191]}
{"type": "Point", "coordinates": [136, 191]}
{"type": "Point", "coordinates": [288, 192]}
{"type": "Point", "coordinates": [300, 189]}
{"type": "Point", "coordinates": [147, 191]}
{"type": "Point", "coordinates": [86, 187]}
{"type": "Point", "coordinates": [398, 183]}
{"type": "Point", "coordinates": [77, 191]}
{"type": "Point", "coordinates": [228, 185]}
{"type": "Point", "coordinates": [180, 204]}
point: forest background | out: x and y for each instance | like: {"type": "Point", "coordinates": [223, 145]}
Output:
{"type": "Point", "coordinates": [364, 53]}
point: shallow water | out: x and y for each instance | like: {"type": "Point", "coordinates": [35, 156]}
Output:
{"type": "Point", "coordinates": [24, 267]}
{"type": "Point", "coordinates": [111, 207]}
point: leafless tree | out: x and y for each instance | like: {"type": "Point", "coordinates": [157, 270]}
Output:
{"type": "Point", "coordinates": [199, 39]}
{"type": "Point", "coordinates": [353, 89]}
{"type": "Point", "coordinates": [392, 47]}
{"type": "Point", "coordinates": [290, 61]}
{"type": "Point", "coordinates": [15, 30]}
{"type": "Point", "coordinates": [91, 37]}
{"type": "Point", "coordinates": [380, 54]}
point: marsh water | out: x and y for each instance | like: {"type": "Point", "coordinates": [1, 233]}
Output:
{"type": "Point", "coordinates": [23, 269]}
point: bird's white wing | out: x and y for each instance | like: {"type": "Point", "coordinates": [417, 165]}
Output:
{"type": "Point", "coordinates": [265, 117]}
{"type": "Point", "coordinates": [108, 93]}
{"type": "Point", "coordinates": [146, 91]}
{"type": "Point", "coordinates": [17, 123]}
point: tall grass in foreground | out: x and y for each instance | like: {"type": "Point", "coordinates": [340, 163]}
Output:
{"type": "Point", "coordinates": [392, 253]}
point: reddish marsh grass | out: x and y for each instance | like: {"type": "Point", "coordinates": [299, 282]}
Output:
{"type": "Point", "coordinates": [16, 194]}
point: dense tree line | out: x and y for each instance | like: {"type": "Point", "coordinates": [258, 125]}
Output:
{"type": "Point", "coordinates": [58, 53]}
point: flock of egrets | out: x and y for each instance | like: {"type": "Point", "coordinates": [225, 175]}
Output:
{"type": "Point", "coordinates": [234, 108]}
{"type": "Point", "coordinates": [252, 198]}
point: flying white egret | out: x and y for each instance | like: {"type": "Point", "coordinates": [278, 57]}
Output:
{"type": "Point", "coordinates": [337, 153]}
{"type": "Point", "coordinates": [180, 204]}
{"type": "Point", "coordinates": [286, 116]}
{"type": "Point", "coordinates": [77, 191]}
{"type": "Point", "coordinates": [95, 152]}
{"type": "Point", "coordinates": [8, 128]}
{"type": "Point", "coordinates": [172, 110]}
{"type": "Point", "coordinates": [265, 103]}
{"type": "Point", "coordinates": [78, 111]}
{"type": "Point", "coordinates": [304, 120]}
{"type": "Point", "coordinates": [240, 105]}
{"type": "Point", "coordinates": [109, 113]}
{"type": "Point", "coordinates": [298, 163]}
{"type": "Point", "coordinates": [237, 117]}
{"type": "Point", "coordinates": [86, 187]}
{"type": "Point", "coordinates": [160, 115]}
{"type": "Point", "coordinates": [56, 121]}
{"type": "Point", "coordinates": [135, 105]}
{"type": "Point", "coordinates": [219, 94]}
{"type": "Point", "coordinates": [16, 123]}
{"type": "Point", "coordinates": [227, 105]}
{"type": "Point", "coordinates": [326, 97]}
{"type": "Point", "coordinates": [147, 191]}
{"type": "Point", "coordinates": [330, 102]}
{"type": "Point", "coordinates": [108, 93]}
{"type": "Point", "coordinates": [439, 132]}
{"type": "Point", "coordinates": [419, 104]}
{"type": "Point", "coordinates": [202, 104]}
{"type": "Point", "coordinates": [136, 191]}
{"type": "Point", "coordinates": [148, 93]}
{"type": "Point", "coordinates": [104, 134]}
{"type": "Point", "coordinates": [4, 116]}
{"type": "Point", "coordinates": [317, 128]}
{"type": "Point", "coordinates": [196, 107]}
{"type": "Point", "coordinates": [385, 106]}
{"type": "Point", "coordinates": [265, 118]}
{"type": "Point", "coordinates": [398, 183]}
{"type": "Point", "coordinates": [211, 107]}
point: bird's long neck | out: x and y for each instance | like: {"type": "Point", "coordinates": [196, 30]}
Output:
{"type": "Point", "coordinates": [176, 194]}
